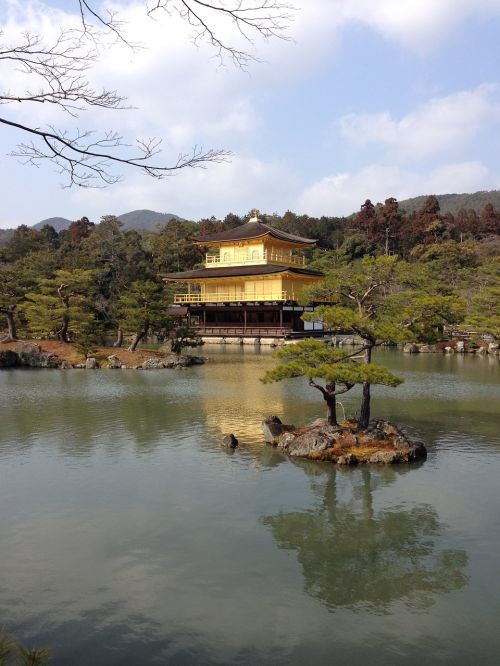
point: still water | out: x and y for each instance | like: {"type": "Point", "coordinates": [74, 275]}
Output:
{"type": "Point", "coordinates": [128, 536]}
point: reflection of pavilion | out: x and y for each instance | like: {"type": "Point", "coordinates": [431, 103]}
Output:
{"type": "Point", "coordinates": [352, 555]}
{"type": "Point", "coordinates": [240, 413]}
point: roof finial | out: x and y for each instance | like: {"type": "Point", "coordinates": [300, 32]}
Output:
{"type": "Point", "coordinates": [255, 215]}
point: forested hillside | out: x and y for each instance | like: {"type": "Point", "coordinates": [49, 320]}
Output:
{"type": "Point", "coordinates": [94, 280]}
{"type": "Point", "coordinates": [452, 203]}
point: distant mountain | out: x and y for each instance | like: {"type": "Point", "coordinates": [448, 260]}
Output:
{"type": "Point", "coordinates": [452, 203]}
{"type": "Point", "coordinates": [140, 220]}
{"type": "Point", "coordinates": [59, 223]}
{"type": "Point", "coordinates": [146, 220]}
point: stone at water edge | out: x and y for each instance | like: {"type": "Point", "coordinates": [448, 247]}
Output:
{"type": "Point", "coordinates": [460, 347]}
{"type": "Point", "coordinates": [114, 362]}
{"type": "Point", "coordinates": [8, 359]}
{"type": "Point", "coordinates": [28, 348]}
{"type": "Point", "coordinates": [307, 442]}
{"type": "Point", "coordinates": [152, 364]}
{"type": "Point", "coordinates": [91, 363]}
{"type": "Point", "coordinates": [30, 355]}
{"type": "Point", "coordinates": [196, 360]}
{"type": "Point", "coordinates": [273, 429]}
{"type": "Point", "coordinates": [230, 441]}
{"type": "Point", "coordinates": [411, 348]}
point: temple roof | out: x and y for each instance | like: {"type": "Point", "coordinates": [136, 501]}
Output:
{"type": "Point", "coordinates": [254, 229]}
{"type": "Point", "coordinates": [237, 271]}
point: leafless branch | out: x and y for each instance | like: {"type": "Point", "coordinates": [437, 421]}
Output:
{"type": "Point", "coordinates": [57, 73]}
{"type": "Point", "coordinates": [106, 19]}
{"type": "Point", "coordinates": [250, 18]}
{"type": "Point", "coordinates": [86, 161]}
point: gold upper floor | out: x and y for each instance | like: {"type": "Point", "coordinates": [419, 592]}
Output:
{"type": "Point", "coordinates": [253, 253]}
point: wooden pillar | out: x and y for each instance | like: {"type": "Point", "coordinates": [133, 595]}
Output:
{"type": "Point", "coordinates": [281, 317]}
{"type": "Point", "coordinates": [204, 318]}
{"type": "Point", "coordinates": [244, 319]}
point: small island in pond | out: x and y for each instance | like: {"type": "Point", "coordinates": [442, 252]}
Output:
{"type": "Point", "coordinates": [344, 444]}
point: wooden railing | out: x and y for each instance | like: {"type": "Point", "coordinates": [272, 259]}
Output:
{"type": "Point", "coordinates": [231, 297]}
{"type": "Point", "coordinates": [265, 257]}
{"type": "Point", "coordinates": [233, 331]}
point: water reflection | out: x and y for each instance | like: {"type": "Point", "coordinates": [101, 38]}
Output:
{"type": "Point", "coordinates": [357, 556]}
{"type": "Point", "coordinates": [237, 400]}
{"type": "Point", "coordinates": [129, 536]}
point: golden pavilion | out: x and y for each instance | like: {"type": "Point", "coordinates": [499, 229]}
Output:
{"type": "Point", "coordinates": [250, 285]}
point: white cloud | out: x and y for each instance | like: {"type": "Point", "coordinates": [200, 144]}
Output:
{"type": "Point", "coordinates": [419, 25]}
{"type": "Point", "coordinates": [343, 193]}
{"type": "Point", "coordinates": [444, 125]}
{"type": "Point", "coordinates": [238, 186]}
{"type": "Point", "coordinates": [183, 96]}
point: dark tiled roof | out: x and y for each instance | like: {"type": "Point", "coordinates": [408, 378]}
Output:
{"type": "Point", "coordinates": [177, 310]}
{"type": "Point", "coordinates": [235, 271]}
{"type": "Point", "coordinates": [253, 230]}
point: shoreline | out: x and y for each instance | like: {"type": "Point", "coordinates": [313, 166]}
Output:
{"type": "Point", "coordinates": [51, 354]}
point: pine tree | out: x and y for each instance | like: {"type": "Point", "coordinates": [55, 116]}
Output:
{"type": "Point", "coordinates": [338, 371]}
{"type": "Point", "coordinates": [61, 305]}
{"type": "Point", "coordinates": [382, 300]}
{"type": "Point", "coordinates": [484, 316]}
{"type": "Point", "coordinates": [182, 338]}
{"type": "Point", "coordinates": [142, 309]}
{"type": "Point", "coordinates": [14, 283]}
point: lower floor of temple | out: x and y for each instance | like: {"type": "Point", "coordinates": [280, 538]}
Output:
{"type": "Point", "coordinates": [261, 320]}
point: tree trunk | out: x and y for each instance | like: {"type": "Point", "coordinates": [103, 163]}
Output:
{"type": "Point", "coordinates": [138, 337]}
{"type": "Point", "coordinates": [331, 410]}
{"type": "Point", "coordinates": [331, 405]}
{"type": "Point", "coordinates": [119, 338]}
{"type": "Point", "coordinates": [63, 331]}
{"type": "Point", "coordinates": [11, 324]}
{"type": "Point", "coordinates": [364, 416]}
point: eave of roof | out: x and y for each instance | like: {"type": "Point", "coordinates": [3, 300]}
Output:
{"type": "Point", "coordinates": [254, 230]}
{"type": "Point", "coordinates": [239, 271]}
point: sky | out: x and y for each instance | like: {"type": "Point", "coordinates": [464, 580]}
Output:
{"type": "Point", "coordinates": [367, 99]}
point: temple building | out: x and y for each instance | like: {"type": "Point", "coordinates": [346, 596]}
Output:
{"type": "Point", "coordinates": [250, 285]}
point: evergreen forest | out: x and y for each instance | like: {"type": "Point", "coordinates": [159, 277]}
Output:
{"type": "Point", "coordinates": [92, 282]}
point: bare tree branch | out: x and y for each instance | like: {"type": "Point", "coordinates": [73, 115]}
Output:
{"type": "Point", "coordinates": [57, 75]}
{"type": "Point", "coordinates": [250, 18]}
{"type": "Point", "coordinates": [85, 161]}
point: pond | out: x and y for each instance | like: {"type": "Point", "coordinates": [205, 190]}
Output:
{"type": "Point", "coordinates": [130, 536]}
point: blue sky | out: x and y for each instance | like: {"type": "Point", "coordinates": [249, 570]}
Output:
{"type": "Point", "coordinates": [371, 98]}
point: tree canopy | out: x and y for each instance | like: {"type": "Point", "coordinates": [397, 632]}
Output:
{"type": "Point", "coordinates": [339, 371]}
{"type": "Point", "coordinates": [413, 296]}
